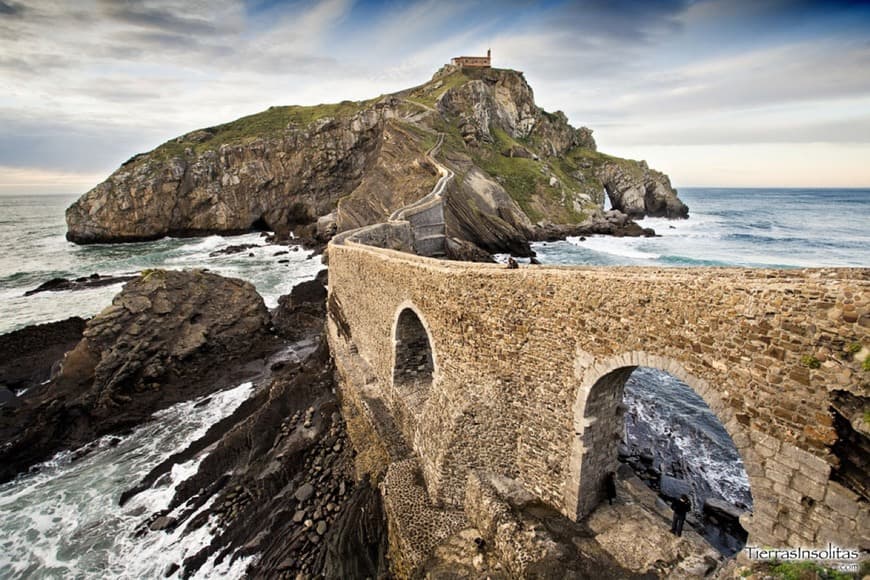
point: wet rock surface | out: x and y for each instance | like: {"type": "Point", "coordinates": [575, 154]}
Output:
{"type": "Point", "coordinates": [167, 337]}
{"type": "Point", "coordinates": [715, 519]}
{"type": "Point", "coordinates": [82, 283]}
{"type": "Point", "coordinates": [280, 473]}
{"type": "Point", "coordinates": [234, 249]}
{"type": "Point", "coordinates": [611, 223]}
{"type": "Point", "coordinates": [27, 356]}
{"type": "Point", "coordinates": [303, 310]}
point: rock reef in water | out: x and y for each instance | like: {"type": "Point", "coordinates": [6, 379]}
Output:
{"type": "Point", "coordinates": [329, 168]}
{"type": "Point", "coordinates": [160, 342]}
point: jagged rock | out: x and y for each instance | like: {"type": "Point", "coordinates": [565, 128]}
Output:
{"type": "Point", "coordinates": [83, 283]}
{"type": "Point", "coordinates": [158, 322]}
{"type": "Point", "coordinates": [161, 523]}
{"type": "Point", "coordinates": [159, 342]}
{"type": "Point", "coordinates": [236, 249]}
{"type": "Point", "coordinates": [467, 252]}
{"type": "Point", "coordinates": [287, 168]}
{"type": "Point", "coordinates": [28, 355]}
{"type": "Point", "coordinates": [723, 509]}
{"type": "Point", "coordinates": [303, 310]}
{"type": "Point", "coordinates": [274, 181]}
{"type": "Point", "coordinates": [673, 488]}
{"type": "Point", "coordinates": [639, 191]}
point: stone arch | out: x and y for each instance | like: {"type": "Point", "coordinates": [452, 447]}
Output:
{"type": "Point", "coordinates": [414, 361]}
{"type": "Point", "coordinates": [597, 423]}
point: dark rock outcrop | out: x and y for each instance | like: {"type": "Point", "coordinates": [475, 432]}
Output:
{"type": "Point", "coordinates": [27, 356]}
{"type": "Point", "coordinates": [8, 398]}
{"type": "Point", "coordinates": [280, 471]}
{"type": "Point", "coordinates": [234, 249]}
{"type": "Point", "coordinates": [159, 343]}
{"type": "Point", "coordinates": [639, 191]}
{"type": "Point", "coordinates": [612, 223]}
{"type": "Point", "coordinates": [463, 251]}
{"type": "Point", "coordinates": [303, 311]}
{"type": "Point", "coordinates": [83, 283]}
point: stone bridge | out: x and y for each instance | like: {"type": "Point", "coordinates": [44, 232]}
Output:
{"type": "Point", "coordinates": [473, 368]}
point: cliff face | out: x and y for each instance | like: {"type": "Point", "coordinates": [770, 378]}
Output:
{"type": "Point", "coordinates": [518, 169]}
{"type": "Point", "coordinates": [285, 168]}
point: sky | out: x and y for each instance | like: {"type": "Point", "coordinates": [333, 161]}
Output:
{"type": "Point", "coordinates": [739, 93]}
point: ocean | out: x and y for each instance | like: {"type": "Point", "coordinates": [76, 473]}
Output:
{"type": "Point", "coordinates": [755, 228]}
{"type": "Point", "coordinates": [33, 249]}
{"type": "Point", "coordinates": [63, 520]}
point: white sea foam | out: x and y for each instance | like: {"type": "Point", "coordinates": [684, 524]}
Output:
{"type": "Point", "coordinates": [634, 248]}
{"type": "Point", "coordinates": [64, 520]}
{"type": "Point", "coordinates": [666, 406]}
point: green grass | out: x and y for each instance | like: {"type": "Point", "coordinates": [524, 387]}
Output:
{"type": "Point", "coordinates": [428, 138]}
{"type": "Point", "coordinates": [267, 124]}
{"type": "Point", "coordinates": [810, 361]}
{"type": "Point", "coordinates": [520, 177]}
{"type": "Point", "coordinates": [428, 95]}
{"type": "Point", "coordinates": [806, 571]}
{"type": "Point", "coordinates": [527, 183]}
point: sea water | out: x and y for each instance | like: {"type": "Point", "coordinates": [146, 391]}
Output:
{"type": "Point", "coordinates": [756, 228]}
{"type": "Point", "coordinates": [63, 520]}
{"type": "Point", "coordinates": [33, 250]}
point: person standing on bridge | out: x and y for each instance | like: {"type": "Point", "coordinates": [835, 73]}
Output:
{"type": "Point", "coordinates": [681, 508]}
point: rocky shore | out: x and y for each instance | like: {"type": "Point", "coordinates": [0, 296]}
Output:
{"type": "Point", "coordinates": [156, 345]}
{"type": "Point", "coordinates": [279, 474]}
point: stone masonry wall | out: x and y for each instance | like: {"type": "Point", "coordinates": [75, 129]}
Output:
{"type": "Point", "coordinates": [518, 352]}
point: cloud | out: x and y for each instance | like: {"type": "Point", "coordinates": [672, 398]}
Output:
{"type": "Point", "coordinates": [25, 180]}
{"type": "Point", "coordinates": [166, 18]}
{"type": "Point", "coordinates": [89, 83]}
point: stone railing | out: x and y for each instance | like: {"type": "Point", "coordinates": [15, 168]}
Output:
{"type": "Point", "coordinates": [418, 228]}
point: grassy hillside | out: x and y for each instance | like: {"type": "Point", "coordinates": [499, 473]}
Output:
{"type": "Point", "coordinates": [267, 124]}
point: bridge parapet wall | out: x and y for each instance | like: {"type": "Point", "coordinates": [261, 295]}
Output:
{"type": "Point", "coordinates": [518, 352]}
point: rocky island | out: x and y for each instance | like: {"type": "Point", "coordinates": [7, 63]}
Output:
{"type": "Point", "coordinates": [409, 418]}
{"type": "Point", "coordinates": [522, 173]}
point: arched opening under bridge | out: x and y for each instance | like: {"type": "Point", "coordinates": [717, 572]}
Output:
{"type": "Point", "coordinates": [665, 429]}
{"type": "Point", "coordinates": [414, 367]}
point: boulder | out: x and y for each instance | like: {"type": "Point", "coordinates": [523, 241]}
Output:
{"type": "Point", "coordinates": [163, 340]}
{"type": "Point", "coordinates": [636, 190]}
{"type": "Point", "coordinates": [723, 510]}
{"type": "Point", "coordinates": [28, 355]}
{"type": "Point", "coordinates": [158, 324]}
{"type": "Point", "coordinates": [673, 488]}
{"type": "Point", "coordinates": [301, 313]}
